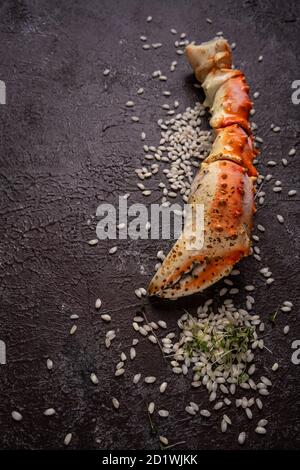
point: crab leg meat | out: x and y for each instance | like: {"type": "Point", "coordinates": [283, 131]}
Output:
{"type": "Point", "coordinates": [224, 185]}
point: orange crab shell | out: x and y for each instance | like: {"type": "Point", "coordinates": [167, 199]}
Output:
{"type": "Point", "coordinates": [232, 143]}
{"type": "Point", "coordinates": [232, 104]}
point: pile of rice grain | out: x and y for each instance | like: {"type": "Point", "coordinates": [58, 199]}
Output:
{"type": "Point", "coordinates": [218, 347]}
{"type": "Point", "coordinates": [182, 147]}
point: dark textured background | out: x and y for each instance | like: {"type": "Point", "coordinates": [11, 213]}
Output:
{"type": "Point", "coordinates": [67, 144]}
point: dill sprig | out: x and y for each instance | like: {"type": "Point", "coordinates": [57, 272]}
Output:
{"type": "Point", "coordinates": [221, 346]}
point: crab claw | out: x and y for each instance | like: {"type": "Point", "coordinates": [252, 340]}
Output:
{"type": "Point", "coordinates": [233, 143]}
{"type": "Point", "coordinates": [214, 80]}
{"type": "Point", "coordinates": [232, 104]}
{"type": "Point", "coordinates": [226, 89]}
{"type": "Point", "coordinates": [209, 55]}
{"type": "Point", "coordinates": [226, 193]}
